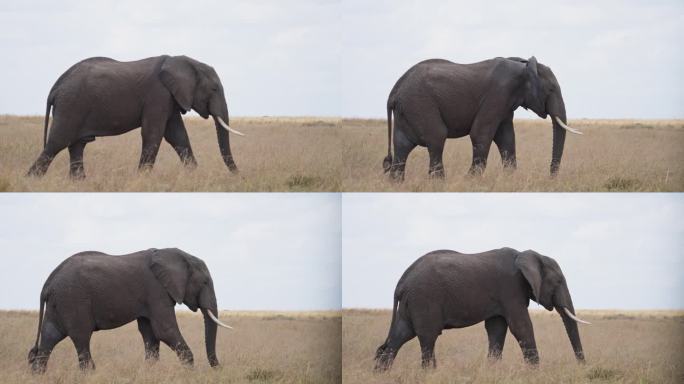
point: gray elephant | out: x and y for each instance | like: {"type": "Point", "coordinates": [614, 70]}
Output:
{"type": "Point", "coordinates": [92, 291]}
{"type": "Point", "coordinates": [446, 289]}
{"type": "Point", "coordinates": [100, 96]}
{"type": "Point", "coordinates": [437, 99]}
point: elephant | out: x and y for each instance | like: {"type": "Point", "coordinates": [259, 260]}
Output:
{"type": "Point", "coordinates": [437, 99]}
{"type": "Point", "coordinates": [100, 96]}
{"type": "Point", "coordinates": [446, 289]}
{"type": "Point", "coordinates": [92, 291]}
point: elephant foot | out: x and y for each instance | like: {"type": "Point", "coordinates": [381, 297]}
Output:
{"type": "Point", "coordinates": [437, 174]}
{"type": "Point", "coordinates": [77, 175]}
{"type": "Point", "coordinates": [476, 171]}
{"type": "Point", "coordinates": [36, 172]}
{"type": "Point", "coordinates": [387, 163]}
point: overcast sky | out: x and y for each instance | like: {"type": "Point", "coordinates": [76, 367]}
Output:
{"type": "Point", "coordinates": [617, 251]}
{"type": "Point", "coordinates": [265, 251]}
{"type": "Point", "coordinates": [613, 59]}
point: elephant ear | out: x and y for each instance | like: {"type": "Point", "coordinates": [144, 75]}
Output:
{"type": "Point", "coordinates": [172, 271]}
{"type": "Point", "coordinates": [180, 77]}
{"type": "Point", "coordinates": [531, 268]}
{"type": "Point", "coordinates": [534, 97]}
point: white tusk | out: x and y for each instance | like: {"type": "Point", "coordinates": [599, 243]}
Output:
{"type": "Point", "coordinates": [562, 124]}
{"type": "Point", "coordinates": [226, 126]}
{"type": "Point", "coordinates": [577, 319]}
{"type": "Point", "coordinates": [217, 320]}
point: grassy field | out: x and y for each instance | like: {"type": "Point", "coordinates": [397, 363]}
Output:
{"type": "Point", "coordinates": [278, 154]}
{"type": "Point", "coordinates": [620, 347]}
{"type": "Point", "coordinates": [612, 156]}
{"type": "Point", "coordinates": [327, 154]}
{"type": "Point", "coordinates": [265, 347]}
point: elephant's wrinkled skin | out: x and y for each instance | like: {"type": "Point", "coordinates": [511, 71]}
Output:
{"type": "Point", "coordinates": [437, 99]}
{"type": "Point", "coordinates": [446, 289]}
{"type": "Point", "coordinates": [92, 291]}
{"type": "Point", "coordinates": [104, 97]}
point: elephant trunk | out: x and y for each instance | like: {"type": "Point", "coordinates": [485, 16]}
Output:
{"type": "Point", "coordinates": [207, 303]}
{"type": "Point", "coordinates": [563, 303]}
{"type": "Point", "coordinates": [557, 111]}
{"type": "Point", "coordinates": [222, 136]}
{"type": "Point", "coordinates": [210, 338]}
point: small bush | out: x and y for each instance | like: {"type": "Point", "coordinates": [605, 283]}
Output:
{"type": "Point", "coordinates": [621, 184]}
{"type": "Point", "coordinates": [298, 182]}
{"type": "Point", "coordinates": [262, 375]}
{"type": "Point", "coordinates": [599, 373]}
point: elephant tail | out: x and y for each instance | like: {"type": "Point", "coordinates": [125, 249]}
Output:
{"type": "Point", "coordinates": [43, 299]}
{"type": "Point", "coordinates": [387, 162]}
{"type": "Point", "coordinates": [50, 102]}
{"type": "Point", "coordinates": [395, 305]}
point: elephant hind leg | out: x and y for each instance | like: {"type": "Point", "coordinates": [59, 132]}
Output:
{"type": "Point", "coordinates": [81, 341]}
{"type": "Point", "coordinates": [150, 340]}
{"type": "Point", "coordinates": [496, 333]}
{"type": "Point", "coordinates": [427, 350]}
{"type": "Point", "coordinates": [402, 149]}
{"type": "Point", "coordinates": [50, 336]}
{"type": "Point", "coordinates": [400, 333]}
{"type": "Point", "coordinates": [76, 170]}
{"type": "Point", "coordinates": [42, 163]}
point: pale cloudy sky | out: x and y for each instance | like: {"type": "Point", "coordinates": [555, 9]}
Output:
{"type": "Point", "coordinates": [614, 59]}
{"type": "Point", "coordinates": [265, 251]}
{"type": "Point", "coordinates": [617, 251]}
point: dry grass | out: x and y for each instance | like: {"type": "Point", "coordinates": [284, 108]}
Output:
{"type": "Point", "coordinates": [279, 154]}
{"type": "Point", "coordinates": [620, 347]}
{"type": "Point", "coordinates": [612, 155]}
{"type": "Point", "coordinates": [265, 347]}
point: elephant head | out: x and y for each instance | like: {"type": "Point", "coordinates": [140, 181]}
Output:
{"type": "Point", "coordinates": [543, 96]}
{"type": "Point", "coordinates": [549, 288]}
{"type": "Point", "coordinates": [187, 280]}
{"type": "Point", "coordinates": [195, 85]}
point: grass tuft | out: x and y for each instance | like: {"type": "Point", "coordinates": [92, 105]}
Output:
{"type": "Point", "coordinates": [262, 375]}
{"type": "Point", "coordinates": [620, 184]}
{"type": "Point", "coordinates": [600, 373]}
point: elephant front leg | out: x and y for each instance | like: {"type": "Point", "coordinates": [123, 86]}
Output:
{"type": "Point", "coordinates": [177, 136]}
{"type": "Point", "coordinates": [149, 339]}
{"type": "Point", "coordinates": [165, 328]}
{"type": "Point", "coordinates": [435, 151]}
{"type": "Point", "coordinates": [505, 141]}
{"type": "Point", "coordinates": [480, 154]}
{"type": "Point", "coordinates": [496, 333]}
{"type": "Point", "coordinates": [152, 132]}
{"type": "Point", "coordinates": [521, 327]}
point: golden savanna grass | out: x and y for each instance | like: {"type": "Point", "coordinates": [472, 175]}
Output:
{"type": "Point", "coordinates": [620, 347]}
{"type": "Point", "coordinates": [611, 156]}
{"type": "Point", "coordinates": [265, 347]}
{"type": "Point", "coordinates": [278, 154]}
